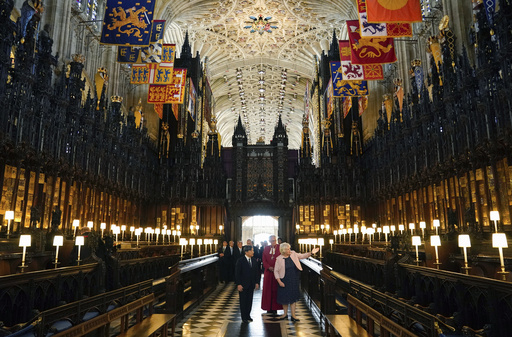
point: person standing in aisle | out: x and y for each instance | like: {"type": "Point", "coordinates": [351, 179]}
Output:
{"type": "Point", "coordinates": [269, 295]}
{"type": "Point", "coordinates": [247, 279]}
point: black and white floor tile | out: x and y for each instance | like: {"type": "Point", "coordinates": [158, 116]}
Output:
{"type": "Point", "coordinates": [219, 316]}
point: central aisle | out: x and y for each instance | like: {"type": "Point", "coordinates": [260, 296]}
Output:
{"type": "Point", "coordinates": [219, 315]}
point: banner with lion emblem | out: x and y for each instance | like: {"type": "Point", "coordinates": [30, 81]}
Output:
{"type": "Point", "coordinates": [357, 71]}
{"type": "Point", "coordinates": [127, 22]}
{"type": "Point", "coordinates": [377, 50]}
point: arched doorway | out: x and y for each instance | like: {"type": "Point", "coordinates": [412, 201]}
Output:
{"type": "Point", "coordinates": [259, 227]}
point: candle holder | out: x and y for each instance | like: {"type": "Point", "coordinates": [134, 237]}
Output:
{"type": "Point", "coordinates": [76, 224]}
{"type": "Point", "coordinates": [79, 241]}
{"type": "Point", "coordinates": [465, 242]}
{"type": "Point", "coordinates": [416, 241]}
{"type": "Point", "coordinates": [9, 216]}
{"type": "Point", "coordinates": [435, 241]}
{"type": "Point", "coordinates": [58, 241]}
{"type": "Point", "coordinates": [25, 241]}
{"type": "Point", "coordinates": [499, 240]}
{"type": "Point", "coordinates": [495, 216]}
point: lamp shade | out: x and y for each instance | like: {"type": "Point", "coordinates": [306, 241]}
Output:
{"type": "Point", "coordinates": [112, 226]}
{"type": "Point", "coordinates": [321, 242]}
{"type": "Point", "coordinates": [157, 231]}
{"type": "Point", "coordinates": [168, 231]}
{"type": "Point", "coordinates": [79, 241]}
{"type": "Point", "coordinates": [370, 231]}
{"type": "Point", "coordinates": [183, 242]}
{"type": "Point", "coordinates": [464, 240]}
{"type": "Point", "coordinates": [9, 215]}
{"type": "Point", "coordinates": [173, 232]}
{"type": "Point", "coordinates": [379, 230]}
{"type": "Point", "coordinates": [374, 225]}
{"type": "Point", "coordinates": [331, 241]}
{"type": "Point", "coordinates": [199, 241]}
{"type": "Point", "coordinates": [192, 241]}
{"type": "Point", "coordinates": [178, 233]}
{"type": "Point", "coordinates": [90, 224]}
{"type": "Point", "coordinates": [25, 240]}
{"type": "Point", "coordinates": [435, 241]}
{"type": "Point", "coordinates": [297, 226]}
{"type": "Point", "coordinates": [385, 229]}
{"type": "Point", "coordinates": [436, 223]}
{"type": "Point", "coordinates": [117, 230]}
{"type": "Point", "coordinates": [499, 240]}
{"type": "Point", "coordinates": [423, 224]}
{"type": "Point", "coordinates": [123, 228]}
{"type": "Point", "coordinates": [350, 231]}
{"type": "Point", "coordinates": [103, 225]}
{"type": "Point", "coordinates": [58, 240]}
{"type": "Point", "coordinates": [416, 240]}
{"type": "Point", "coordinates": [132, 229]}
{"type": "Point", "coordinates": [412, 226]}
{"type": "Point", "coordinates": [393, 228]}
{"type": "Point", "coordinates": [335, 232]}
{"type": "Point", "coordinates": [401, 227]}
{"type": "Point", "coordinates": [76, 223]}
{"type": "Point", "coordinates": [495, 216]}
{"type": "Point", "coordinates": [215, 242]}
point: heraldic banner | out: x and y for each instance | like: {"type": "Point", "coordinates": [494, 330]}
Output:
{"type": "Point", "coordinates": [394, 11]}
{"type": "Point", "coordinates": [357, 71]}
{"type": "Point", "coordinates": [343, 88]}
{"type": "Point", "coordinates": [382, 29]}
{"type": "Point", "coordinates": [377, 50]}
{"type": "Point", "coordinates": [170, 93]}
{"type": "Point", "coordinates": [127, 22]}
{"type": "Point", "coordinates": [149, 54]}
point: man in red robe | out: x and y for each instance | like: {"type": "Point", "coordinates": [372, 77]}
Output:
{"type": "Point", "coordinates": [269, 296]}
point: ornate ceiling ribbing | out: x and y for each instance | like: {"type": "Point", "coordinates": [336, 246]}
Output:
{"type": "Point", "coordinates": [258, 75]}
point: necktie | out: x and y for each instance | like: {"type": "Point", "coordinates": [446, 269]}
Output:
{"type": "Point", "coordinates": [250, 262]}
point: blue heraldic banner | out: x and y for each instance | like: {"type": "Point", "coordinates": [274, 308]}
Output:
{"type": "Point", "coordinates": [344, 88]}
{"type": "Point", "coordinates": [128, 22]}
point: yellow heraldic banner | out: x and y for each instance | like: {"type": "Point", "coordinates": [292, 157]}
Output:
{"type": "Point", "coordinates": [127, 22]}
{"type": "Point", "coordinates": [173, 93]}
{"type": "Point", "coordinates": [156, 73]}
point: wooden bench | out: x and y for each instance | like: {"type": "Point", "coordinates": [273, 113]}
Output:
{"type": "Point", "coordinates": [344, 326]}
{"type": "Point", "coordinates": [151, 325]}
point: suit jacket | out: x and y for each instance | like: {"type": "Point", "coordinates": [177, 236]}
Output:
{"type": "Point", "coordinates": [237, 254]}
{"type": "Point", "coordinates": [227, 255]}
{"type": "Point", "coordinates": [245, 275]}
{"type": "Point", "coordinates": [279, 268]}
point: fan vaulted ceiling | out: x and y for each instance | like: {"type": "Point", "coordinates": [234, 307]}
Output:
{"type": "Point", "coordinates": [257, 71]}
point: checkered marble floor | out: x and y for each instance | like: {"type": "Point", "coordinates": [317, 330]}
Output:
{"type": "Point", "coordinates": [219, 316]}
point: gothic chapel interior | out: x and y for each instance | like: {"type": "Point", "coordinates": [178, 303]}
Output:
{"type": "Point", "coordinates": [138, 135]}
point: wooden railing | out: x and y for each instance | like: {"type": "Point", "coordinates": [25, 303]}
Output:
{"type": "Point", "coordinates": [20, 294]}
{"type": "Point", "coordinates": [189, 283]}
{"type": "Point", "coordinates": [74, 312]}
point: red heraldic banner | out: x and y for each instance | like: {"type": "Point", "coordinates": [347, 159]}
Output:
{"type": "Point", "coordinates": [394, 10]}
{"type": "Point", "coordinates": [369, 50]}
{"type": "Point", "coordinates": [357, 71]}
{"type": "Point", "coordinates": [170, 93]}
{"type": "Point", "coordinates": [382, 29]}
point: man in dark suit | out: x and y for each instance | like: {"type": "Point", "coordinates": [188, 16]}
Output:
{"type": "Point", "coordinates": [224, 262]}
{"type": "Point", "coordinates": [247, 278]}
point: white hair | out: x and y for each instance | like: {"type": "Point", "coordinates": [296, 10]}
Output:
{"type": "Point", "coordinates": [284, 246]}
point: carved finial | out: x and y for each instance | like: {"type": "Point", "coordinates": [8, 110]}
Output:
{"type": "Point", "coordinates": [213, 125]}
{"type": "Point", "coordinates": [116, 99]}
{"type": "Point", "coordinates": [79, 58]}
{"type": "Point", "coordinates": [397, 82]}
{"type": "Point", "coordinates": [195, 134]}
{"type": "Point", "coordinates": [416, 63]}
